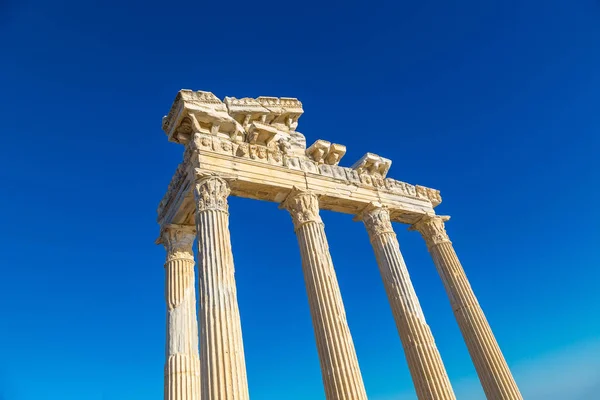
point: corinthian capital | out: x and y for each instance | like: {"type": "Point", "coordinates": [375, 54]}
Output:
{"type": "Point", "coordinates": [303, 206]}
{"type": "Point", "coordinates": [178, 241]}
{"type": "Point", "coordinates": [377, 219]}
{"type": "Point", "coordinates": [432, 229]}
{"type": "Point", "coordinates": [211, 193]}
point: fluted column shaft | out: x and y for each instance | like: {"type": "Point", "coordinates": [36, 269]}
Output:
{"type": "Point", "coordinates": [492, 369]}
{"type": "Point", "coordinates": [223, 366]}
{"type": "Point", "coordinates": [424, 360]}
{"type": "Point", "coordinates": [339, 365]}
{"type": "Point", "coordinates": [182, 367]}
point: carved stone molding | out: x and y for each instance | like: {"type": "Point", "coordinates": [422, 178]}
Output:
{"type": "Point", "coordinates": [254, 143]}
{"type": "Point", "coordinates": [373, 164]}
{"type": "Point", "coordinates": [377, 219]}
{"type": "Point", "coordinates": [263, 130]}
{"type": "Point", "coordinates": [178, 241]}
{"type": "Point", "coordinates": [211, 193]}
{"type": "Point", "coordinates": [323, 152]}
{"type": "Point", "coordinates": [432, 229]}
{"type": "Point", "coordinates": [174, 186]}
{"type": "Point", "coordinates": [303, 206]}
{"type": "Point", "coordinates": [432, 195]}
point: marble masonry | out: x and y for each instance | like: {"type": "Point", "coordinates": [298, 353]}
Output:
{"type": "Point", "coordinates": [251, 148]}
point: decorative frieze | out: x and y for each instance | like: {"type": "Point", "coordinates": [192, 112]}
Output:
{"type": "Point", "coordinates": [432, 195]}
{"type": "Point", "coordinates": [264, 130]}
{"type": "Point", "coordinates": [174, 186]}
{"type": "Point", "coordinates": [250, 147]}
{"type": "Point", "coordinates": [327, 156]}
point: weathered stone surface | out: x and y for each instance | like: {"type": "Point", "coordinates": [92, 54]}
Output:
{"type": "Point", "coordinates": [424, 360]}
{"type": "Point", "coordinates": [222, 359]}
{"type": "Point", "coordinates": [494, 374]}
{"type": "Point", "coordinates": [339, 365]}
{"type": "Point", "coordinates": [251, 148]}
{"type": "Point", "coordinates": [255, 141]}
{"type": "Point", "coordinates": [182, 367]}
{"type": "Point", "coordinates": [373, 164]}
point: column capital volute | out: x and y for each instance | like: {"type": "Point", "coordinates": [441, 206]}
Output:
{"type": "Point", "coordinates": [376, 218]}
{"type": "Point", "coordinates": [432, 228]}
{"type": "Point", "coordinates": [303, 206]}
{"type": "Point", "coordinates": [211, 192]}
{"type": "Point", "coordinates": [178, 241]}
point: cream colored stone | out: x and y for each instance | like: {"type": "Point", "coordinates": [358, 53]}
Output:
{"type": "Point", "coordinates": [373, 165]}
{"type": "Point", "coordinates": [257, 144]}
{"type": "Point", "coordinates": [222, 359]}
{"type": "Point", "coordinates": [323, 152]}
{"type": "Point", "coordinates": [339, 365]}
{"type": "Point", "coordinates": [494, 374]}
{"type": "Point", "coordinates": [424, 360]}
{"type": "Point", "coordinates": [182, 367]}
{"type": "Point", "coordinates": [251, 148]}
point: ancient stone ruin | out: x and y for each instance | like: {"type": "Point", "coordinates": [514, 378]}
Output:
{"type": "Point", "coordinates": [251, 148]}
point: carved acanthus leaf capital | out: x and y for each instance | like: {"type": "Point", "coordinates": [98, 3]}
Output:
{"type": "Point", "coordinates": [178, 241]}
{"type": "Point", "coordinates": [377, 219]}
{"type": "Point", "coordinates": [432, 229]}
{"type": "Point", "coordinates": [211, 193]}
{"type": "Point", "coordinates": [303, 206]}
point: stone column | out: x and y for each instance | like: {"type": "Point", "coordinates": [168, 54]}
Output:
{"type": "Point", "coordinates": [222, 360]}
{"type": "Point", "coordinates": [339, 365]}
{"type": "Point", "coordinates": [495, 377]}
{"type": "Point", "coordinates": [424, 360]}
{"type": "Point", "coordinates": [182, 367]}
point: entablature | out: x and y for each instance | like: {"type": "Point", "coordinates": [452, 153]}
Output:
{"type": "Point", "coordinates": [254, 143]}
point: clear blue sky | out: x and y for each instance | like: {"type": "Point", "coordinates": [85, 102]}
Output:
{"type": "Point", "coordinates": [495, 103]}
